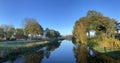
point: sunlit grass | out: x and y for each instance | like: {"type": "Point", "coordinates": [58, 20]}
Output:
{"type": "Point", "coordinates": [20, 47]}
{"type": "Point", "coordinates": [109, 46]}
{"type": "Point", "coordinates": [21, 43]}
{"type": "Point", "coordinates": [8, 45]}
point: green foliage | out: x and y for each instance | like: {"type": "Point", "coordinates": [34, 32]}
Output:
{"type": "Point", "coordinates": [79, 32]}
{"type": "Point", "coordinates": [92, 13]}
{"type": "Point", "coordinates": [20, 34]}
{"type": "Point", "coordinates": [94, 20]}
{"type": "Point", "coordinates": [19, 31]}
{"type": "Point", "coordinates": [52, 34]}
{"type": "Point", "coordinates": [6, 31]}
{"type": "Point", "coordinates": [10, 32]}
{"type": "Point", "coordinates": [1, 33]}
{"type": "Point", "coordinates": [12, 38]}
{"type": "Point", "coordinates": [32, 26]}
{"type": "Point", "coordinates": [109, 42]}
{"type": "Point", "coordinates": [92, 42]}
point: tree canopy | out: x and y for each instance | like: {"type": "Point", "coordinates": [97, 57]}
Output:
{"type": "Point", "coordinates": [32, 26]}
{"type": "Point", "coordinates": [52, 34]}
{"type": "Point", "coordinates": [20, 31]}
{"type": "Point", "coordinates": [93, 21]}
{"type": "Point", "coordinates": [1, 32]}
{"type": "Point", "coordinates": [8, 30]}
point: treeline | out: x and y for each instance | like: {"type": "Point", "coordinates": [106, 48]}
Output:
{"type": "Point", "coordinates": [96, 23]}
{"type": "Point", "coordinates": [31, 30]}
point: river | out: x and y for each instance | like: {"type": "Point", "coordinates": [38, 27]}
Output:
{"type": "Point", "coordinates": [61, 52]}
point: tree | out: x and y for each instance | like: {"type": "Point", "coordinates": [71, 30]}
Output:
{"type": "Point", "coordinates": [20, 34]}
{"type": "Point", "coordinates": [1, 32]}
{"type": "Point", "coordinates": [79, 32]}
{"type": "Point", "coordinates": [92, 13]}
{"type": "Point", "coordinates": [52, 34]}
{"type": "Point", "coordinates": [94, 20]}
{"type": "Point", "coordinates": [19, 31]}
{"type": "Point", "coordinates": [8, 30]}
{"type": "Point", "coordinates": [33, 27]}
{"type": "Point", "coordinates": [11, 31]}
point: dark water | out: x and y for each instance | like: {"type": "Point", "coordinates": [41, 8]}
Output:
{"type": "Point", "coordinates": [61, 52]}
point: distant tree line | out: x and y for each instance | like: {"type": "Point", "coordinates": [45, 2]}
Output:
{"type": "Point", "coordinates": [31, 30]}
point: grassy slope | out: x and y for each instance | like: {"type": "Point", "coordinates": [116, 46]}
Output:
{"type": "Point", "coordinates": [21, 43]}
{"type": "Point", "coordinates": [109, 46]}
{"type": "Point", "coordinates": [115, 53]}
{"type": "Point", "coordinates": [8, 45]}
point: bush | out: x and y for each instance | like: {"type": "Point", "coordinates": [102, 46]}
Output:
{"type": "Point", "coordinates": [92, 42]}
{"type": "Point", "coordinates": [109, 42]}
{"type": "Point", "coordinates": [12, 38]}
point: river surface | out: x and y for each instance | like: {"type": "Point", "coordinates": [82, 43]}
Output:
{"type": "Point", "coordinates": [61, 52]}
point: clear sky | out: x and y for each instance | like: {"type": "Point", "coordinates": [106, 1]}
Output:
{"type": "Point", "coordinates": [60, 15]}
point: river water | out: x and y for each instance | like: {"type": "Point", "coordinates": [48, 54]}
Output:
{"type": "Point", "coordinates": [62, 52]}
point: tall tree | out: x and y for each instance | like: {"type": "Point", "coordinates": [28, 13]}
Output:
{"type": "Point", "coordinates": [11, 31]}
{"type": "Point", "coordinates": [1, 32]}
{"type": "Point", "coordinates": [92, 13]}
{"type": "Point", "coordinates": [8, 29]}
{"type": "Point", "coordinates": [19, 31]}
{"type": "Point", "coordinates": [52, 34]}
{"type": "Point", "coordinates": [94, 20]}
{"type": "Point", "coordinates": [33, 27]}
{"type": "Point", "coordinates": [20, 34]}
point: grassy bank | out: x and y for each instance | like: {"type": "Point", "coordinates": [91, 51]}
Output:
{"type": "Point", "coordinates": [108, 46]}
{"type": "Point", "coordinates": [21, 43]}
{"type": "Point", "coordinates": [13, 49]}
{"type": "Point", "coordinates": [113, 52]}
{"type": "Point", "coordinates": [19, 47]}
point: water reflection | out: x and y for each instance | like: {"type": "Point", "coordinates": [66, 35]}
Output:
{"type": "Point", "coordinates": [33, 57]}
{"type": "Point", "coordinates": [57, 52]}
{"type": "Point", "coordinates": [45, 52]}
{"type": "Point", "coordinates": [82, 55]}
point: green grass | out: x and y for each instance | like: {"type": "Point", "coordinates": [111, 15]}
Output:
{"type": "Point", "coordinates": [113, 52]}
{"type": "Point", "coordinates": [21, 43]}
{"type": "Point", "coordinates": [6, 45]}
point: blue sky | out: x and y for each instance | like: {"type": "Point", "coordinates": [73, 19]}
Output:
{"type": "Point", "coordinates": [60, 15]}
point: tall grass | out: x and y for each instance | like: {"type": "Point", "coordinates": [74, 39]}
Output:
{"type": "Point", "coordinates": [109, 42]}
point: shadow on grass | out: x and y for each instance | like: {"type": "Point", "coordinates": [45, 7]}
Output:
{"type": "Point", "coordinates": [114, 54]}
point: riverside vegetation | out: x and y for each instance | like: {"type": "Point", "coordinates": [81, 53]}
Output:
{"type": "Point", "coordinates": [98, 32]}
{"type": "Point", "coordinates": [29, 38]}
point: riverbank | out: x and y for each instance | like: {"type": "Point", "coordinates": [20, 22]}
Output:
{"type": "Point", "coordinates": [21, 43]}
{"type": "Point", "coordinates": [11, 49]}
{"type": "Point", "coordinates": [107, 46]}
{"type": "Point", "coordinates": [26, 43]}
{"type": "Point", "coordinates": [113, 52]}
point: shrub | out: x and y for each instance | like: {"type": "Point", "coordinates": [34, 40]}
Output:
{"type": "Point", "coordinates": [92, 42]}
{"type": "Point", "coordinates": [109, 42]}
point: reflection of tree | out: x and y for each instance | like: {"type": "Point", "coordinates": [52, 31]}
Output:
{"type": "Point", "coordinates": [34, 58]}
{"type": "Point", "coordinates": [47, 54]}
{"type": "Point", "coordinates": [51, 47]}
{"type": "Point", "coordinates": [102, 58]}
{"type": "Point", "coordinates": [37, 57]}
{"type": "Point", "coordinates": [80, 54]}
{"type": "Point", "coordinates": [31, 56]}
